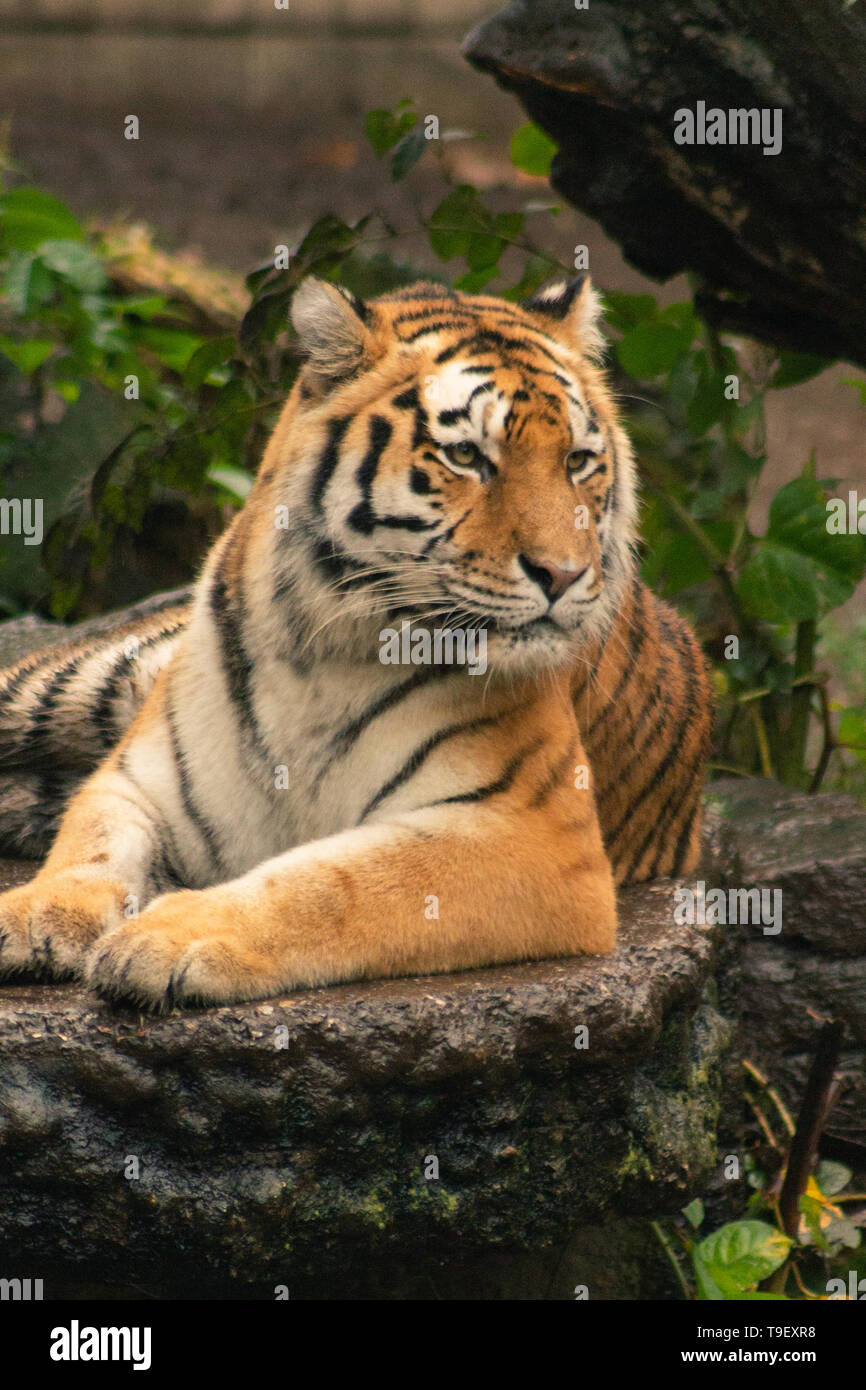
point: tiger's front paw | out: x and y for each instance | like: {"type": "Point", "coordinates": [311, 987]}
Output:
{"type": "Point", "coordinates": [187, 947]}
{"type": "Point", "coordinates": [47, 926]}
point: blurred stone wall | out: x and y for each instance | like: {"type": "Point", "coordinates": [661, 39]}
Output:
{"type": "Point", "coordinates": [336, 16]}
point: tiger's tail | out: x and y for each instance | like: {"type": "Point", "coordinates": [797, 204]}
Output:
{"type": "Point", "coordinates": [64, 708]}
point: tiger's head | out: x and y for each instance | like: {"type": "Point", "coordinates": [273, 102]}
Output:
{"type": "Point", "coordinates": [455, 460]}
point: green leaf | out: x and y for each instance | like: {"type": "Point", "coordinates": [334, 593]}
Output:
{"type": "Point", "coordinates": [832, 1177]}
{"type": "Point", "coordinates": [795, 367]}
{"type": "Point", "coordinates": [75, 263]}
{"type": "Point", "coordinates": [708, 405]}
{"type": "Point", "coordinates": [484, 251]}
{"type": "Point", "coordinates": [673, 560]}
{"type": "Point", "coordinates": [327, 235]}
{"type": "Point", "coordinates": [707, 504]}
{"type": "Point", "coordinates": [681, 315]}
{"type": "Point", "coordinates": [28, 217]}
{"type": "Point", "coordinates": [27, 283]}
{"type": "Point", "coordinates": [800, 569]}
{"type": "Point", "coordinates": [708, 1290]}
{"type": "Point", "coordinates": [211, 354]}
{"type": "Point", "coordinates": [625, 311]}
{"type": "Point", "coordinates": [69, 390]}
{"type": "Point", "coordinates": [694, 1213]}
{"type": "Point", "coordinates": [385, 128]}
{"type": "Point", "coordinates": [859, 385]}
{"type": "Point", "coordinates": [684, 378]}
{"type": "Point", "coordinates": [475, 280]}
{"type": "Point", "coordinates": [453, 224]}
{"type": "Point", "coordinates": [173, 348]}
{"type": "Point", "coordinates": [852, 729]}
{"type": "Point", "coordinates": [742, 1253]}
{"type": "Point", "coordinates": [27, 356]}
{"type": "Point", "coordinates": [759, 1296]}
{"type": "Point", "coordinates": [264, 319]}
{"type": "Point", "coordinates": [652, 347]}
{"type": "Point", "coordinates": [144, 306]}
{"type": "Point", "coordinates": [779, 585]}
{"type": "Point", "coordinates": [536, 270]}
{"type": "Point", "coordinates": [379, 130]}
{"type": "Point", "coordinates": [509, 225]}
{"type": "Point", "coordinates": [532, 150]}
{"type": "Point", "coordinates": [406, 155]}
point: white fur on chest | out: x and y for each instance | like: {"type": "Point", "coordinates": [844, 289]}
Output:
{"type": "Point", "coordinates": [329, 742]}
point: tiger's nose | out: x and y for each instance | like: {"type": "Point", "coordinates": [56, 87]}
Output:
{"type": "Point", "coordinates": [552, 580]}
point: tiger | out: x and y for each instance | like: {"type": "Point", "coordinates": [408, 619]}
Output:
{"type": "Point", "coordinates": [244, 798]}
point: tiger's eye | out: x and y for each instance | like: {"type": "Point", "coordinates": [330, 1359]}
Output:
{"type": "Point", "coordinates": [464, 451]}
{"type": "Point", "coordinates": [577, 459]}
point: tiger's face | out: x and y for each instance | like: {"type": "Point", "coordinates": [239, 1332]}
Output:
{"type": "Point", "coordinates": [455, 460]}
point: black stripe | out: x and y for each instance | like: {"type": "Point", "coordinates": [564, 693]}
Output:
{"type": "Point", "coordinates": [204, 828]}
{"type": "Point", "coordinates": [443, 306]}
{"type": "Point", "coordinates": [228, 614]}
{"type": "Point", "coordinates": [618, 775]}
{"type": "Point", "coordinates": [362, 517]}
{"type": "Point", "coordinates": [163, 874]}
{"type": "Point", "coordinates": [344, 738]}
{"type": "Point", "coordinates": [486, 338]}
{"type": "Point", "coordinates": [682, 843]}
{"type": "Point", "coordinates": [407, 523]}
{"type": "Point", "coordinates": [29, 667]}
{"type": "Point", "coordinates": [33, 744]}
{"type": "Point", "coordinates": [676, 799]}
{"type": "Point", "coordinates": [103, 714]}
{"type": "Point", "coordinates": [439, 326]}
{"type": "Point", "coordinates": [662, 768]}
{"type": "Point", "coordinates": [334, 563]}
{"type": "Point", "coordinates": [419, 482]}
{"type": "Point", "coordinates": [168, 852]}
{"type": "Point", "coordinates": [53, 791]}
{"type": "Point", "coordinates": [450, 417]}
{"type": "Point", "coordinates": [329, 459]}
{"type": "Point", "coordinates": [421, 432]}
{"type": "Point", "coordinates": [501, 784]}
{"type": "Point", "coordinates": [638, 633]}
{"type": "Point", "coordinates": [412, 764]}
{"type": "Point", "coordinates": [447, 534]}
{"type": "Point", "coordinates": [555, 774]}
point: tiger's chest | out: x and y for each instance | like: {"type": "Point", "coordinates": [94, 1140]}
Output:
{"type": "Point", "coordinates": [301, 758]}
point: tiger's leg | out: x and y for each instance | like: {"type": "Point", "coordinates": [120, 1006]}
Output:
{"type": "Point", "coordinates": [99, 872]}
{"type": "Point", "coordinates": [444, 888]}
{"type": "Point", "coordinates": [114, 852]}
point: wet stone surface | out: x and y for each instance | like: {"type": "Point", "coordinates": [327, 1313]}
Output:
{"type": "Point", "coordinates": [304, 1163]}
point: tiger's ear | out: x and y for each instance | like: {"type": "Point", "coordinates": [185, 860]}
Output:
{"type": "Point", "coordinates": [573, 311]}
{"type": "Point", "coordinates": [332, 329]}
